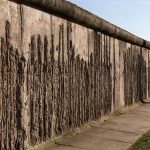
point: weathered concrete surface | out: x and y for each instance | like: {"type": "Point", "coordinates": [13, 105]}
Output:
{"type": "Point", "coordinates": [56, 75]}
{"type": "Point", "coordinates": [117, 133]}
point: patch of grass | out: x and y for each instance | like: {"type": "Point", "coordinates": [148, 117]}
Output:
{"type": "Point", "coordinates": [119, 113]}
{"type": "Point", "coordinates": [143, 143]}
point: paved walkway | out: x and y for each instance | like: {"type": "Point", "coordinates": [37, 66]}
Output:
{"type": "Point", "coordinates": [117, 133]}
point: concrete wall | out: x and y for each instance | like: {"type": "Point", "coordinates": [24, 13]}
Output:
{"type": "Point", "coordinates": [56, 75]}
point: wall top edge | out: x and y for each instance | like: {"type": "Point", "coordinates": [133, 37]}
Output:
{"type": "Point", "coordinates": [72, 12]}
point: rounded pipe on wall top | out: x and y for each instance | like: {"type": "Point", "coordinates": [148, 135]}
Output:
{"type": "Point", "coordinates": [80, 16]}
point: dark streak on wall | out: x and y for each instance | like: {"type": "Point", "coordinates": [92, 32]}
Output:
{"type": "Point", "coordinates": [135, 78]}
{"type": "Point", "coordinates": [148, 74]}
{"type": "Point", "coordinates": [78, 91]}
{"type": "Point", "coordinates": [114, 71]}
{"type": "Point", "coordinates": [12, 78]}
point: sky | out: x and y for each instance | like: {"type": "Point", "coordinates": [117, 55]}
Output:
{"type": "Point", "coordinates": [131, 15]}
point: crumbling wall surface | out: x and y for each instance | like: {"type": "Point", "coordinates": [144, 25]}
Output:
{"type": "Point", "coordinates": [56, 75]}
{"type": "Point", "coordinates": [11, 78]}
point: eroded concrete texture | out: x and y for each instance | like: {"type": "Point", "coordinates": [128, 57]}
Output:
{"type": "Point", "coordinates": [56, 75]}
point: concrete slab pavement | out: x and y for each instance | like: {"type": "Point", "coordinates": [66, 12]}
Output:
{"type": "Point", "coordinates": [117, 133]}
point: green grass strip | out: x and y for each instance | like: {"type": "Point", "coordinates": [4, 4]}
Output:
{"type": "Point", "coordinates": [143, 143]}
